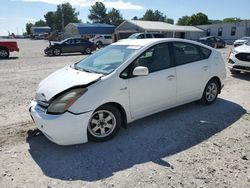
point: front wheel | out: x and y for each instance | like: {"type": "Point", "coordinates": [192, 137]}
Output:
{"type": "Point", "coordinates": [104, 123]}
{"type": "Point", "coordinates": [4, 53]}
{"type": "Point", "coordinates": [210, 93]}
{"type": "Point", "coordinates": [57, 52]}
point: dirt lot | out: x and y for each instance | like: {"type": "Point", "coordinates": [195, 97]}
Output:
{"type": "Point", "coordinates": [189, 146]}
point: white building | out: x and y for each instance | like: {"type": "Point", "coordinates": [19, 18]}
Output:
{"type": "Point", "coordinates": [128, 27]}
{"type": "Point", "coordinates": [228, 31]}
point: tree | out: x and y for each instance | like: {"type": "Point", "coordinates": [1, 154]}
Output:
{"type": "Point", "coordinates": [115, 17]}
{"type": "Point", "coordinates": [135, 18]}
{"type": "Point", "coordinates": [149, 15]}
{"type": "Point", "coordinates": [50, 19]}
{"type": "Point", "coordinates": [28, 28]}
{"type": "Point", "coordinates": [156, 15]}
{"type": "Point", "coordinates": [170, 20]}
{"type": "Point", "coordinates": [183, 20]}
{"type": "Point", "coordinates": [64, 14]}
{"type": "Point", "coordinates": [198, 19]}
{"type": "Point", "coordinates": [231, 20]}
{"type": "Point", "coordinates": [40, 23]}
{"type": "Point", "coordinates": [98, 13]}
{"type": "Point", "coordinates": [195, 19]}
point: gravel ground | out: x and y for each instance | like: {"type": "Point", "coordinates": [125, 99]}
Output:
{"type": "Point", "coordinates": [188, 146]}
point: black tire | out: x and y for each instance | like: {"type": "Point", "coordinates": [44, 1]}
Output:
{"type": "Point", "coordinates": [88, 50]}
{"type": "Point", "coordinates": [235, 72]}
{"type": "Point", "coordinates": [99, 44]}
{"type": "Point", "coordinates": [97, 125]}
{"type": "Point", "coordinates": [57, 52]}
{"type": "Point", "coordinates": [210, 92]}
{"type": "Point", "coordinates": [4, 53]}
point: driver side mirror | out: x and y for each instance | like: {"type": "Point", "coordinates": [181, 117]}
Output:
{"type": "Point", "coordinates": [140, 71]}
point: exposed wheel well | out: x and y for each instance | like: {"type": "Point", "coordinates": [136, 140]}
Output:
{"type": "Point", "coordinates": [122, 111]}
{"type": "Point", "coordinates": [218, 81]}
{"type": "Point", "coordinates": [4, 48]}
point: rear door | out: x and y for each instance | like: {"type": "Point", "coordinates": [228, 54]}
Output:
{"type": "Point", "coordinates": [192, 70]}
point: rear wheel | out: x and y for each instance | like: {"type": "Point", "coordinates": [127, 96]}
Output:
{"type": "Point", "coordinates": [88, 50]}
{"type": "Point", "coordinates": [104, 123]}
{"type": "Point", "coordinates": [210, 92]}
{"type": "Point", "coordinates": [4, 53]}
{"type": "Point", "coordinates": [57, 52]}
{"type": "Point", "coordinates": [99, 44]}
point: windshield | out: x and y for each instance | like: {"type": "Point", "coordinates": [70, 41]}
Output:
{"type": "Point", "coordinates": [134, 36]}
{"type": "Point", "coordinates": [107, 59]}
{"type": "Point", "coordinates": [247, 43]}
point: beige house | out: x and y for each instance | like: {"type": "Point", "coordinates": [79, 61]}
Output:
{"type": "Point", "coordinates": [128, 27]}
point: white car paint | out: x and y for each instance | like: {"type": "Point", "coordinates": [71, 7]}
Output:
{"type": "Point", "coordinates": [139, 96]}
{"type": "Point", "coordinates": [241, 41]}
{"type": "Point", "coordinates": [236, 64]}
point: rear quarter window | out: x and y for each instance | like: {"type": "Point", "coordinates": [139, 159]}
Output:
{"type": "Point", "coordinates": [185, 53]}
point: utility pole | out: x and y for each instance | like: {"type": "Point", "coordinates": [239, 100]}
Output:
{"type": "Point", "coordinates": [62, 19]}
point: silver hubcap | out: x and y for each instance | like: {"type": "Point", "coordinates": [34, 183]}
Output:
{"type": "Point", "coordinates": [211, 92]}
{"type": "Point", "coordinates": [3, 53]}
{"type": "Point", "coordinates": [102, 123]}
{"type": "Point", "coordinates": [56, 52]}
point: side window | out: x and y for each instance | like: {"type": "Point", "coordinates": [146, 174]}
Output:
{"type": "Point", "coordinates": [78, 41]}
{"type": "Point", "coordinates": [148, 36]}
{"type": "Point", "coordinates": [220, 31]}
{"type": "Point", "coordinates": [141, 36]}
{"type": "Point", "coordinates": [70, 41]}
{"type": "Point", "coordinates": [233, 31]}
{"type": "Point", "coordinates": [107, 37]}
{"type": "Point", "coordinates": [208, 32]}
{"type": "Point", "coordinates": [155, 59]}
{"type": "Point", "coordinates": [186, 53]}
{"type": "Point", "coordinates": [205, 52]}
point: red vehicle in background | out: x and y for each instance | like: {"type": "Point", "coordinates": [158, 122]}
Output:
{"type": "Point", "coordinates": [6, 47]}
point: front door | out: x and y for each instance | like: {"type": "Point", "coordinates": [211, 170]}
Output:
{"type": "Point", "coordinates": [157, 90]}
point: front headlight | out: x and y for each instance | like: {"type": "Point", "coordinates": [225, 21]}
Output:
{"type": "Point", "coordinates": [62, 102]}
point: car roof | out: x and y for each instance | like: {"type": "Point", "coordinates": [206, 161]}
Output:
{"type": "Point", "coordinates": [147, 42]}
{"type": "Point", "coordinates": [203, 38]}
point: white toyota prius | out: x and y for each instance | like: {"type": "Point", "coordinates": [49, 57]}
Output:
{"type": "Point", "coordinates": [125, 81]}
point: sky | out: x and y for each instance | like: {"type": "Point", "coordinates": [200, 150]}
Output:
{"type": "Point", "coordinates": [14, 14]}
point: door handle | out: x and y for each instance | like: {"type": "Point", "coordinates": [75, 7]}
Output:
{"type": "Point", "coordinates": [170, 77]}
{"type": "Point", "coordinates": [205, 68]}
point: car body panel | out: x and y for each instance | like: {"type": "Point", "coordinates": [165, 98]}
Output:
{"type": "Point", "coordinates": [235, 63]}
{"type": "Point", "coordinates": [138, 96]}
{"type": "Point", "coordinates": [64, 79]}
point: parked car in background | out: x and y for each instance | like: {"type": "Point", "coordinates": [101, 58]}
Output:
{"type": "Point", "coordinates": [101, 40]}
{"type": "Point", "coordinates": [146, 35]}
{"type": "Point", "coordinates": [70, 45]}
{"type": "Point", "coordinates": [6, 47]}
{"type": "Point", "coordinates": [214, 42]}
{"type": "Point", "coordinates": [125, 81]}
{"type": "Point", "coordinates": [241, 41]}
{"type": "Point", "coordinates": [239, 59]}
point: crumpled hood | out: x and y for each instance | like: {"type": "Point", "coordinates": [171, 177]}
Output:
{"type": "Point", "coordinates": [243, 49]}
{"type": "Point", "coordinates": [63, 79]}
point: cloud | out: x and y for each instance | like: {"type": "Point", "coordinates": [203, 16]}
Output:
{"type": "Point", "coordinates": [120, 4]}
{"type": "Point", "coordinates": [1, 18]}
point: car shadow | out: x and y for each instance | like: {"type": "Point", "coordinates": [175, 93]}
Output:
{"type": "Point", "coordinates": [149, 139]}
{"type": "Point", "coordinates": [10, 58]}
{"type": "Point", "coordinates": [242, 76]}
